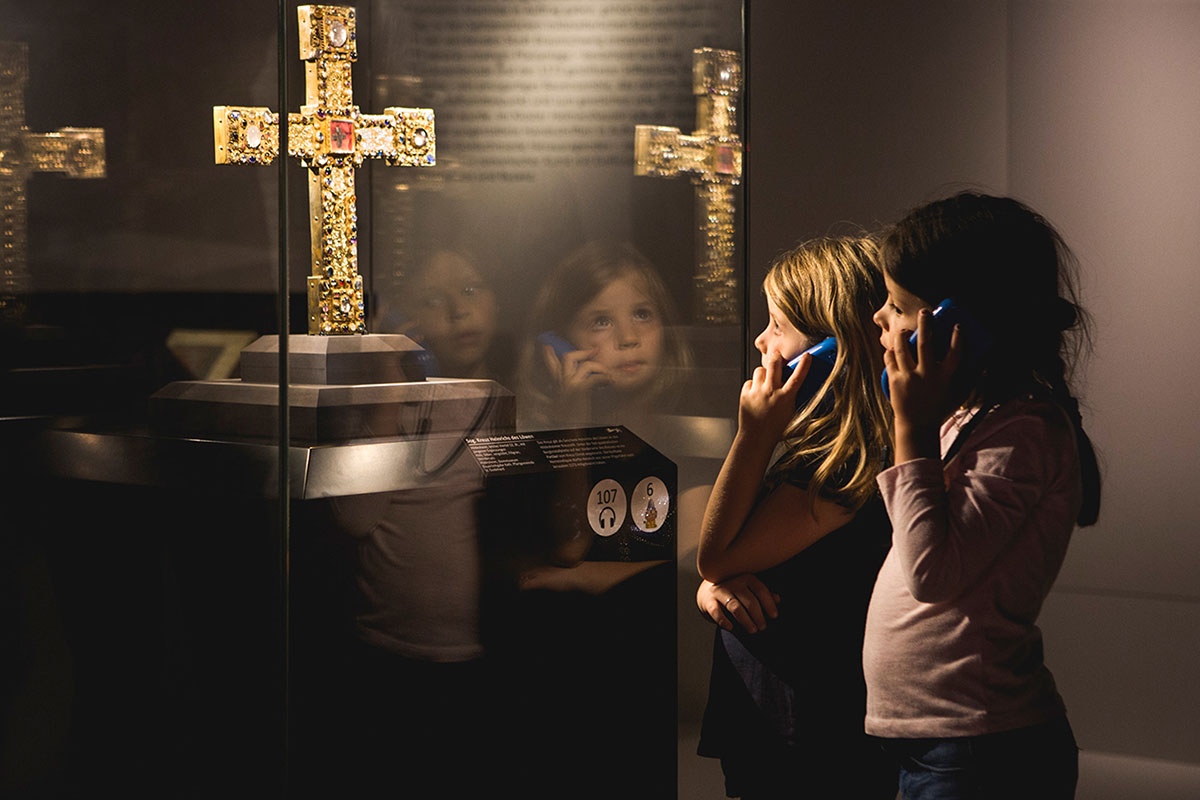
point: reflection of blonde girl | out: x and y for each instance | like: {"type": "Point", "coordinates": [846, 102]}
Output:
{"type": "Point", "coordinates": [809, 532]}
{"type": "Point", "coordinates": [622, 354]}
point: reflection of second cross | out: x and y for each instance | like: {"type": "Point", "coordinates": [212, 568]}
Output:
{"type": "Point", "coordinates": [620, 354]}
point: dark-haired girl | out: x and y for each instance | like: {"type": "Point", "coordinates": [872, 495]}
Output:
{"type": "Point", "coordinates": [992, 473]}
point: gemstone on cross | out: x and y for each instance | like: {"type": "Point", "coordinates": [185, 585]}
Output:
{"type": "Point", "coordinates": [712, 155]}
{"type": "Point", "coordinates": [331, 137]}
{"type": "Point", "coordinates": [75, 152]}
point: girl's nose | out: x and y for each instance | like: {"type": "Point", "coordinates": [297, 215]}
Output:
{"type": "Point", "coordinates": [627, 336]}
{"type": "Point", "coordinates": [879, 320]}
{"type": "Point", "coordinates": [760, 342]}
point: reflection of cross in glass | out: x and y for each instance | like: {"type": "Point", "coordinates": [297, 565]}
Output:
{"type": "Point", "coordinates": [331, 138]}
{"type": "Point", "coordinates": [77, 152]}
{"type": "Point", "coordinates": [712, 155]}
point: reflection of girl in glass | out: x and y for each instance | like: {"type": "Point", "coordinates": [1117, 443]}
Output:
{"type": "Point", "coordinates": [453, 313]}
{"type": "Point", "coordinates": [622, 354]}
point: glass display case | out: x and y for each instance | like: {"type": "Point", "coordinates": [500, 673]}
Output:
{"type": "Point", "coordinates": [504, 242]}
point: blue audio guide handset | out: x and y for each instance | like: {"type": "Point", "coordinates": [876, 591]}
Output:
{"type": "Point", "coordinates": [824, 354]}
{"type": "Point", "coordinates": [947, 314]}
{"type": "Point", "coordinates": [561, 346]}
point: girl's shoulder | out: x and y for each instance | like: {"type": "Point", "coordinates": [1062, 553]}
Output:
{"type": "Point", "coordinates": [1023, 424]}
{"type": "Point", "coordinates": [801, 469]}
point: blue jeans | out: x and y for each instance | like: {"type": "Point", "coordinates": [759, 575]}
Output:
{"type": "Point", "coordinates": [1036, 763]}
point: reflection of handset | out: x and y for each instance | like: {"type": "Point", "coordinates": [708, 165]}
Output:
{"type": "Point", "coordinates": [948, 313]}
{"type": "Point", "coordinates": [824, 354]}
{"type": "Point", "coordinates": [561, 346]}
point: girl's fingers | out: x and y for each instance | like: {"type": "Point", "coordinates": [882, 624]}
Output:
{"type": "Point", "coordinates": [954, 354]}
{"type": "Point", "coordinates": [774, 371]}
{"type": "Point", "coordinates": [766, 599]}
{"type": "Point", "coordinates": [745, 611]}
{"type": "Point", "coordinates": [553, 364]}
{"type": "Point", "coordinates": [716, 613]}
{"type": "Point", "coordinates": [925, 358]}
{"type": "Point", "coordinates": [578, 366]}
{"type": "Point", "coordinates": [901, 355]}
{"type": "Point", "coordinates": [798, 374]}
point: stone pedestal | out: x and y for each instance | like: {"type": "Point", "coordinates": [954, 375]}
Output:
{"type": "Point", "coordinates": [336, 360]}
{"type": "Point", "coordinates": [341, 389]}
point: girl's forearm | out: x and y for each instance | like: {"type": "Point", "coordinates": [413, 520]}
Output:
{"type": "Point", "coordinates": [731, 501]}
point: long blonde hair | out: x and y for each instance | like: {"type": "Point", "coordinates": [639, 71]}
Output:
{"type": "Point", "coordinates": [831, 286]}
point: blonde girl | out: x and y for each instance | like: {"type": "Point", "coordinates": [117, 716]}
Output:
{"type": "Point", "coordinates": [792, 537]}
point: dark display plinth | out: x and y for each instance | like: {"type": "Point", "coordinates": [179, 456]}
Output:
{"type": "Point", "coordinates": [585, 648]}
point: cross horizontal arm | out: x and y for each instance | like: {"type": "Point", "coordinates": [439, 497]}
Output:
{"type": "Point", "coordinates": [665, 152]}
{"type": "Point", "coordinates": [245, 135]}
{"type": "Point", "coordinates": [403, 137]}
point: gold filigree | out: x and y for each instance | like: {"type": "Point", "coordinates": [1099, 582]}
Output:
{"type": "Point", "coordinates": [331, 137]}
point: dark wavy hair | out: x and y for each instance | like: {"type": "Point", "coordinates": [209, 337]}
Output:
{"type": "Point", "coordinates": [1013, 271]}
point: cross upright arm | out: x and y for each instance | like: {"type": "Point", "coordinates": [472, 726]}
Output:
{"type": "Point", "coordinates": [712, 156]}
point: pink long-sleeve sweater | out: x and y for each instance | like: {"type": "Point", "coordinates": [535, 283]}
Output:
{"type": "Point", "coordinates": [952, 647]}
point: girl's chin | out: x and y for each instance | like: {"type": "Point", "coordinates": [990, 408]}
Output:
{"type": "Point", "coordinates": [629, 383]}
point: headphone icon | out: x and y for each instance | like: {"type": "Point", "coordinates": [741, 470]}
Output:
{"type": "Point", "coordinates": [612, 517]}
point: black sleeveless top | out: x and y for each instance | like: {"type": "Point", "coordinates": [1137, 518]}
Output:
{"type": "Point", "coordinates": [801, 679]}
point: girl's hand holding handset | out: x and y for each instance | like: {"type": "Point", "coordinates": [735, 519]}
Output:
{"type": "Point", "coordinates": [920, 389]}
{"type": "Point", "coordinates": [576, 370]}
{"type": "Point", "coordinates": [768, 403]}
{"type": "Point", "coordinates": [575, 373]}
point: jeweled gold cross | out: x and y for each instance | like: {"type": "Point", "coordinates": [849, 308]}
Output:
{"type": "Point", "coordinates": [712, 155]}
{"type": "Point", "coordinates": [78, 152]}
{"type": "Point", "coordinates": [330, 137]}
